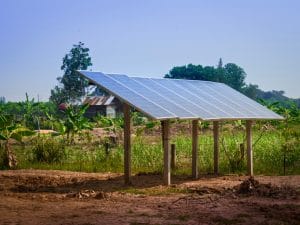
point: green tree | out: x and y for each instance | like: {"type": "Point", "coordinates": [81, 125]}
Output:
{"type": "Point", "coordinates": [234, 76]}
{"type": "Point", "coordinates": [2, 100]}
{"type": "Point", "coordinates": [58, 95]}
{"type": "Point", "coordinates": [193, 72]}
{"type": "Point", "coordinates": [220, 71]}
{"type": "Point", "coordinates": [220, 64]}
{"type": "Point", "coordinates": [251, 91]}
{"type": "Point", "coordinates": [230, 74]}
{"type": "Point", "coordinates": [72, 85]}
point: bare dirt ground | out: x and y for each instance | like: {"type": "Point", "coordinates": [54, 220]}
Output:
{"type": "Point", "coordinates": [58, 197]}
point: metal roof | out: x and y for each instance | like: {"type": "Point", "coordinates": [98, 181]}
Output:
{"type": "Point", "coordinates": [98, 100]}
{"type": "Point", "coordinates": [181, 99]}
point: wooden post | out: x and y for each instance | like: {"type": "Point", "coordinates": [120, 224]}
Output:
{"type": "Point", "coordinates": [242, 151]}
{"type": "Point", "coordinates": [249, 147]}
{"type": "Point", "coordinates": [173, 156]}
{"type": "Point", "coordinates": [166, 146]}
{"type": "Point", "coordinates": [195, 149]}
{"type": "Point", "coordinates": [216, 147]}
{"type": "Point", "coordinates": [127, 144]}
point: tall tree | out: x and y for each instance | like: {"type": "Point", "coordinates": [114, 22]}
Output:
{"type": "Point", "coordinates": [220, 64]}
{"type": "Point", "coordinates": [234, 76]}
{"type": "Point", "coordinates": [58, 95]}
{"type": "Point", "coordinates": [193, 72]}
{"type": "Point", "coordinates": [220, 72]}
{"type": "Point", "coordinates": [72, 86]}
{"type": "Point", "coordinates": [230, 74]}
{"type": "Point", "coordinates": [251, 90]}
{"type": "Point", "coordinates": [2, 100]}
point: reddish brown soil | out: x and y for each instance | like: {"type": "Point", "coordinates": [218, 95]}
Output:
{"type": "Point", "coordinates": [57, 197]}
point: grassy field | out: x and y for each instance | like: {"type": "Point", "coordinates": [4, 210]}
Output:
{"type": "Point", "coordinates": [91, 156]}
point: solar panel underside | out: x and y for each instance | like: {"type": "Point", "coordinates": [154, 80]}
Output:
{"type": "Point", "coordinates": [180, 99]}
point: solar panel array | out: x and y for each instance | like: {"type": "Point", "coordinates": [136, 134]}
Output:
{"type": "Point", "coordinates": [180, 99]}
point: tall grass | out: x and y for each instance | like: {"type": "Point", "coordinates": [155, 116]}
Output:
{"type": "Point", "coordinates": [147, 155]}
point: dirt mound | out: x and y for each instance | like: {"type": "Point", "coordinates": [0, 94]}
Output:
{"type": "Point", "coordinates": [253, 187]}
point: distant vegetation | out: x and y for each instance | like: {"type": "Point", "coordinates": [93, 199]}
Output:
{"type": "Point", "coordinates": [232, 75]}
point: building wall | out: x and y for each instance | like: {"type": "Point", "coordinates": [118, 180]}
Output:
{"type": "Point", "coordinates": [93, 110]}
{"type": "Point", "coordinates": [111, 111]}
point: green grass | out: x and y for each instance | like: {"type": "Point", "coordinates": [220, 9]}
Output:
{"type": "Point", "coordinates": [147, 156]}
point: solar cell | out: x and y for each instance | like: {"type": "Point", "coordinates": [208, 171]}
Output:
{"type": "Point", "coordinates": [202, 89]}
{"type": "Point", "coordinates": [176, 97]}
{"type": "Point", "coordinates": [248, 103]}
{"type": "Point", "coordinates": [182, 99]}
{"type": "Point", "coordinates": [128, 95]}
{"type": "Point", "coordinates": [155, 96]}
{"type": "Point", "coordinates": [196, 96]}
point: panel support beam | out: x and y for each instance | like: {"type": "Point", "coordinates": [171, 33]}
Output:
{"type": "Point", "coordinates": [195, 149]}
{"type": "Point", "coordinates": [216, 147]}
{"type": "Point", "coordinates": [127, 144]}
{"type": "Point", "coordinates": [249, 147]}
{"type": "Point", "coordinates": [173, 156]}
{"type": "Point", "coordinates": [165, 125]}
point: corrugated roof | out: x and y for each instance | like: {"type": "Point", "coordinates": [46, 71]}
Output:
{"type": "Point", "coordinates": [181, 99]}
{"type": "Point", "coordinates": [98, 100]}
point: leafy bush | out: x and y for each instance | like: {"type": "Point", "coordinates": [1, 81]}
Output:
{"type": "Point", "coordinates": [138, 119]}
{"type": "Point", "coordinates": [151, 124]}
{"type": "Point", "coordinates": [48, 149]}
{"type": "Point", "coordinates": [102, 121]}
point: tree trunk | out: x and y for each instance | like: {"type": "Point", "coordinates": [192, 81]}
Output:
{"type": "Point", "coordinates": [10, 160]}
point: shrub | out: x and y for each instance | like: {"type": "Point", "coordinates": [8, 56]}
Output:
{"type": "Point", "coordinates": [48, 149]}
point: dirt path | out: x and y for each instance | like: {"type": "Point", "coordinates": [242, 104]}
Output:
{"type": "Point", "coordinates": [58, 197]}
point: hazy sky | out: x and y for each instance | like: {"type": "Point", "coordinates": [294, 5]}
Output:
{"type": "Point", "coordinates": [148, 38]}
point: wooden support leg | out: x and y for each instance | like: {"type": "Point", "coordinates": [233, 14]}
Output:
{"type": "Point", "coordinates": [216, 147]}
{"type": "Point", "coordinates": [249, 147]}
{"type": "Point", "coordinates": [166, 146]}
{"type": "Point", "coordinates": [173, 156]}
{"type": "Point", "coordinates": [195, 149]}
{"type": "Point", "coordinates": [127, 144]}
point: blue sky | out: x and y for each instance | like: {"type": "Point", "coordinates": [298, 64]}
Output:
{"type": "Point", "coordinates": [148, 38]}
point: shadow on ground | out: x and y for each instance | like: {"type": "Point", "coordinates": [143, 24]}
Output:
{"type": "Point", "coordinates": [110, 183]}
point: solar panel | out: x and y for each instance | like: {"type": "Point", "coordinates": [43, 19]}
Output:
{"type": "Point", "coordinates": [224, 105]}
{"type": "Point", "coordinates": [128, 95]}
{"type": "Point", "coordinates": [155, 96]}
{"type": "Point", "coordinates": [176, 98]}
{"type": "Point", "coordinates": [182, 99]}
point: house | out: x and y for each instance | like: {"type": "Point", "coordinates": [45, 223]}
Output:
{"type": "Point", "coordinates": [103, 105]}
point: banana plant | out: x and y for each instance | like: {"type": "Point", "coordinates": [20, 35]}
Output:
{"type": "Point", "coordinates": [10, 130]}
{"type": "Point", "coordinates": [74, 121]}
{"type": "Point", "coordinates": [30, 116]}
